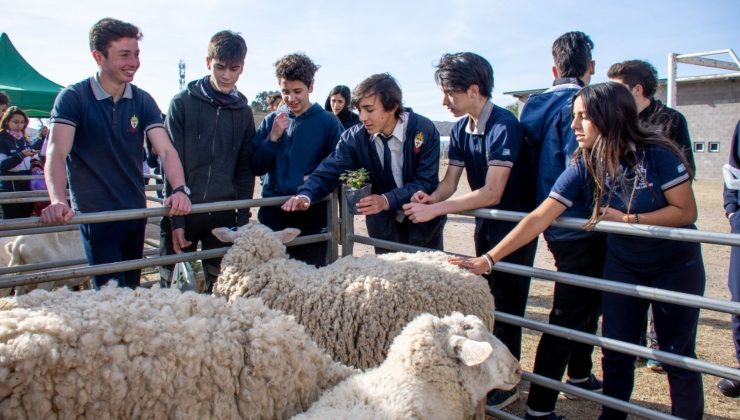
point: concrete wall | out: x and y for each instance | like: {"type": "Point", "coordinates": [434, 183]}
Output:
{"type": "Point", "coordinates": [712, 108]}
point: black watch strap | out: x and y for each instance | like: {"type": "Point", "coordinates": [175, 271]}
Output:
{"type": "Point", "coordinates": [183, 189]}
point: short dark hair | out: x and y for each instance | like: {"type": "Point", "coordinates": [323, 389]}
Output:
{"type": "Point", "coordinates": [457, 72]}
{"type": "Point", "coordinates": [107, 30]}
{"type": "Point", "coordinates": [571, 53]}
{"type": "Point", "coordinates": [13, 110]}
{"type": "Point", "coordinates": [228, 47]}
{"type": "Point", "coordinates": [636, 72]}
{"type": "Point", "coordinates": [274, 98]}
{"type": "Point", "coordinates": [383, 85]}
{"type": "Point", "coordinates": [296, 66]}
{"type": "Point", "coordinates": [4, 98]}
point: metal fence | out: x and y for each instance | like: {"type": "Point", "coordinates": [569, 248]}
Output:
{"type": "Point", "coordinates": [345, 224]}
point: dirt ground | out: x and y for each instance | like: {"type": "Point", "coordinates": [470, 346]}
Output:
{"type": "Point", "coordinates": [714, 341]}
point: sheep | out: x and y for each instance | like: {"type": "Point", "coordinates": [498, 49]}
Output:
{"type": "Point", "coordinates": [45, 247]}
{"type": "Point", "coordinates": [435, 369]}
{"type": "Point", "coordinates": [354, 307]}
{"type": "Point", "coordinates": [155, 354]}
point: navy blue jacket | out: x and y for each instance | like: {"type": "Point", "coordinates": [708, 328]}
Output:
{"type": "Point", "coordinates": [309, 138]}
{"type": "Point", "coordinates": [420, 173]}
{"type": "Point", "coordinates": [546, 119]}
{"type": "Point", "coordinates": [731, 196]}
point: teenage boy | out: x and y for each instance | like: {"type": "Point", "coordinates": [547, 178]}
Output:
{"type": "Point", "coordinates": [288, 146]}
{"type": "Point", "coordinates": [211, 126]}
{"type": "Point", "coordinates": [642, 79]}
{"type": "Point", "coordinates": [487, 143]}
{"type": "Point", "coordinates": [546, 119]}
{"type": "Point", "coordinates": [399, 148]}
{"type": "Point", "coordinates": [97, 127]}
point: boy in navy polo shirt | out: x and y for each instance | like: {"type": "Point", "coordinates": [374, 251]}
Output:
{"type": "Point", "coordinates": [488, 144]}
{"type": "Point", "coordinates": [98, 127]}
{"type": "Point", "coordinates": [411, 164]}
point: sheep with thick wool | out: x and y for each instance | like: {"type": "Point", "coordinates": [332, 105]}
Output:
{"type": "Point", "coordinates": [354, 307]}
{"type": "Point", "coordinates": [435, 369]}
{"type": "Point", "coordinates": [155, 354]}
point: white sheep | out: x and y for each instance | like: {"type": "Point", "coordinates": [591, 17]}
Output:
{"type": "Point", "coordinates": [354, 307]}
{"type": "Point", "coordinates": [155, 354]}
{"type": "Point", "coordinates": [46, 247]}
{"type": "Point", "coordinates": [436, 369]}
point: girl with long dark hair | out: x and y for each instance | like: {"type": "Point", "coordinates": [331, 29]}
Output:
{"type": "Point", "coordinates": [635, 176]}
{"type": "Point", "coordinates": [338, 102]}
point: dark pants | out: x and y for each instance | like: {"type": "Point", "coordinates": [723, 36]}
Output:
{"type": "Point", "coordinates": [310, 222]}
{"type": "Point", "coordinates": [573, 307]}
{"type": "Point", "coordinates": [17, 210]}
{"type": "Point", "coordinates": [198, 228]}
{"type": "Point", "coordinates": [114, 242]}
{"type": "Point", "coordinates": [509, 291]}
{"type": "Point", "coordinates": [675, 326]}
{"type": "Point", "coordinates": [426, 235]}
{"type": "Point", "coordinates": [733, 283]}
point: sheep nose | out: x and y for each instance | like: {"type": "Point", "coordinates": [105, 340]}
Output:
{"type": "Point", "coordinates": [519, 371]}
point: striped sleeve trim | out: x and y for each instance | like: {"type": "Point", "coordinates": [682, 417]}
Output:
{"type": "Point", "coordinates": [676, 181]}
{"type": "Point", "coordinates": [561, 199]}
{"type": "Point", "coordinates": [456, 163]}
{"type": "Point", "coordinates": [63, 121]}
{"type": "Point", "coordinates": [149, 127]}
{"type": "Point", "coordinates": [505, 163]}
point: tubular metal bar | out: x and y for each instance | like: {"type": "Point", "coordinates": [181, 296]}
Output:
{"type": "Point", "coordinates": [154, 220]}
{"type": "Point", "coordinates": [20, 177]}
{"type": "Point", "coordinates": [647, 231]}
{"type": "Point", "coordinates": [45, 193]}
{"type": "Point", "coordinates": [501, 414]}
{"type": "Point", "coordinates": [625, 406]}
{"type": "Point", "coordinates": [24, 279]}
{"type": "Point", "coordinates": [622, 347]}
{"type": "Point", "coordinates": [55, 264]}
{"type": "Point", "coordinates": [643, 292]}
{"type": "Point", "coordinates": [109, 216]}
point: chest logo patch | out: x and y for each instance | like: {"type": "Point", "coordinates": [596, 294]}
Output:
{"type": "Point", "coordinates": [418, 141]}
{"type": "Point", "coordinates": [134, 121]}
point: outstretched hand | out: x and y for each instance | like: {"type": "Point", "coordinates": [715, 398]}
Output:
{"type": "Point", "coordinates": [295, 203]}
{"type": "Point", "coordinates": [477, 265]}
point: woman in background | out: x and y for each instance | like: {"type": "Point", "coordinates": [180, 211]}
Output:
{"type": "Point", "coordinates": [633, 176]}
{"type": "Point", "coordinates": [15, 159]}
{"type": "Point", "coordinates": [338, 102]}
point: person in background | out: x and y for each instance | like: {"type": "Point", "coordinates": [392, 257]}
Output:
{"type": "Point", "coordinates": [4, 103]}
{"type": "Point", "coordinates": [41, 136]}
{"type": "Point", "coordinates": [728, 387]}
{"type": "Point", "coordinates": [211, 126]}
{"type": "Point", "coordinates": [15, 159]}
{"type": "Point", "coordinates": [274, 102]}
{"type": "Point", "coordinates": [288, 146]}
{"type": "Point", "coordinates": [338, 102]}
{"type": "Point", "coordinates": [487, 144]}
{"type": "Point", "coordinates": [97, 131]}
{"type": "Point", "coordinates": [634, 176]}
{"type": "Point", "coordinates": [400, 150]}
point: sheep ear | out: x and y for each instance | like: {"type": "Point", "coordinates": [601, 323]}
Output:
{"type": "Point", "coordinates": [224, 234]}
{"type": "Point", "coordinates": [288, 234]}
{"type": "Point", "coordinates": [471, 352]}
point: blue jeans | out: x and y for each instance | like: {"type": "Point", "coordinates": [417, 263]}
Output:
{"type": "Point", "coordinates": [675, 326]}
{"type": "Point", "coordinates": [114, 242]}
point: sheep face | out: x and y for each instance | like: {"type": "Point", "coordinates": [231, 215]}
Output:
{"type": "Point", "coordinates": [489, 362]}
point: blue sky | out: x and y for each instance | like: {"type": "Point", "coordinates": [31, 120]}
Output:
{"type": "Point", "coordinates": [352, 40]}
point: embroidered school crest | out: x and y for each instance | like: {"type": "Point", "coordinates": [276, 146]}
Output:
{"type": "Point", "coordinates": [418, 141]}
{"type": "Point", "coordinates": [134, 121]}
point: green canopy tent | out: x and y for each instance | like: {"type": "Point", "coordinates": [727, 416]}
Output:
{"type": "Point", "coordinates": [25, 86]}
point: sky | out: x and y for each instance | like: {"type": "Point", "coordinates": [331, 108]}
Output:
{"type": "Point", "coordinates": [352, 40]}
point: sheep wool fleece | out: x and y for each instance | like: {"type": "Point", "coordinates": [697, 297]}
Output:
{"type": "Point", "coordinates": [354, 307]}
{"type": "Point", "coordinates": [155, 354]}
{"type": "Point", "coordinates": [436, 369]}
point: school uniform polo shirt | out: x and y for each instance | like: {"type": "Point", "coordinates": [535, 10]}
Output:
{"type": "Point", "coordinates": [104, 167]}
{"type": "Point", "coordinates": [638, 189]}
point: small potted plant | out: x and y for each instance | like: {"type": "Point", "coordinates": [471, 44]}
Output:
{"type": "Point", "coordinates": [356, 186]}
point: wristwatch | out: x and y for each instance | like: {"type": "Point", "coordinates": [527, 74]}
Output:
{"type": "Point", "coordinates": [183, 189]}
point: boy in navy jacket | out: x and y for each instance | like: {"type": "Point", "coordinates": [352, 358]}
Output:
{"type": "Point", "coordinates": [399, 148]}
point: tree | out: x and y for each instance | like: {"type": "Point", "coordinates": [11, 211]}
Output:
{"type": "Point", "coordinates": [514, 108]}
{"type": "Point", "coordinates": [260, 102]}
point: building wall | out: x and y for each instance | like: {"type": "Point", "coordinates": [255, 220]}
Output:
{"type": "Point", "coordinates": [712, 109]}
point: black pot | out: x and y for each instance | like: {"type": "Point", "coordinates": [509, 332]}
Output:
{"type": "Point", "coordinates": [353, 195]}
